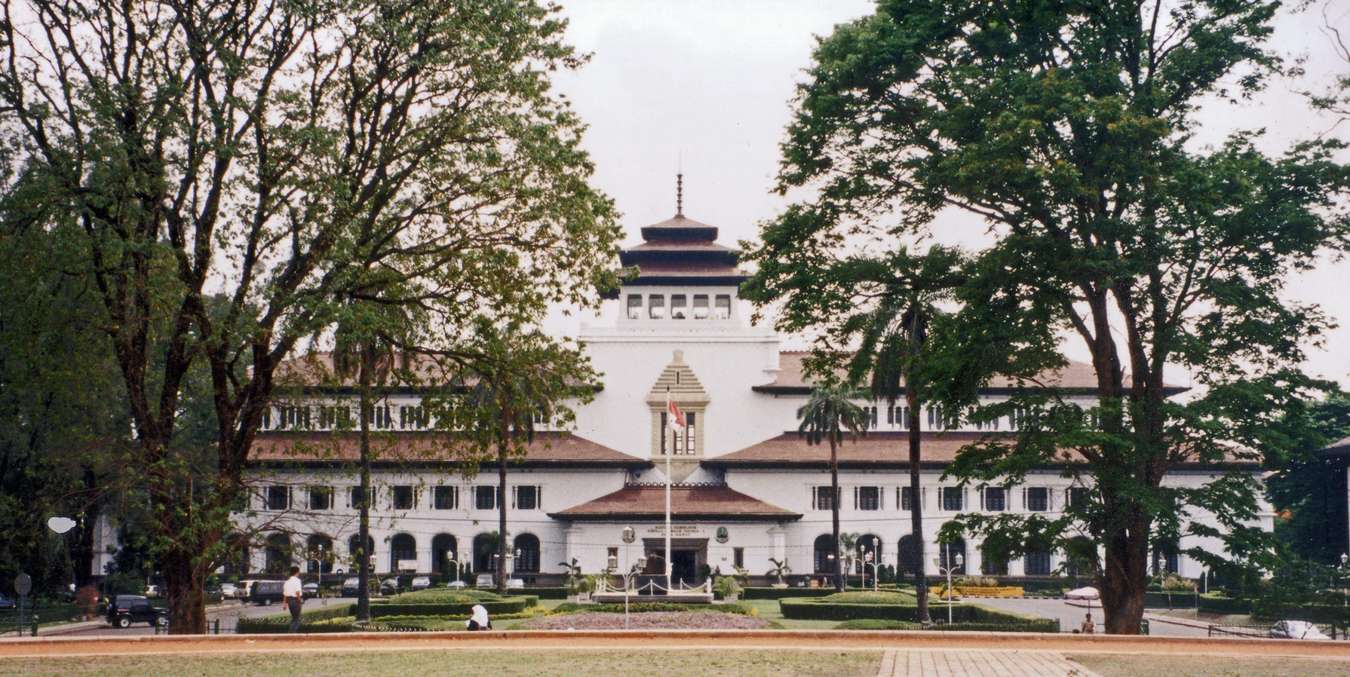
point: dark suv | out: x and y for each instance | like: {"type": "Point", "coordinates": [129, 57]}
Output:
{"type": "Point", "coordinates": [128, 609]}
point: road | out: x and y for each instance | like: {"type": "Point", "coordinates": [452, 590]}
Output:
{"type": "Point", "coordinates": [1070, 615]}
{"type": "Point", "coordinates": [228, 613]}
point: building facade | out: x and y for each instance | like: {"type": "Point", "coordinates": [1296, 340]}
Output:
{"type": "Point", "coordinates": [746, 489]}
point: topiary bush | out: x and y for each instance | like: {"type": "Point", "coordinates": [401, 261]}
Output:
{"type": "Point", "coordinates": [505, 605]}
{"type": "Point", "coordinates": [445, 596]}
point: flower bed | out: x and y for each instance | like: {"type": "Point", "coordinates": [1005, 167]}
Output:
{"type": "Point", "coordinates": [982, 591]}
{"type": "Point", "coordinates": [966, 616]}
{"type": "Point", "coordinates": [653, 607]}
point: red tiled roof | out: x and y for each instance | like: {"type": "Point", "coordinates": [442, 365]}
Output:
{"type": "Point", "coordinates": [649, 501]}
{"type": "Point", "coordinates": [547, 448]}
{"type": "Point", "coordinates": [1074, 375]}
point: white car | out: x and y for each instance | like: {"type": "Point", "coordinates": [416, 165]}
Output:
{"type": "Point", "coordinates": [1296, 630]}
{"type": "Point", "coordinates": [484, 581]}
{"type": "Point", "coordinates": [456, 585]}
{"type": "Point", "coordinates": [421, 583]}
{"type": "Point", "coordinates": [515, 584]}
{"type": "Point", "coordinates": [229, 591]}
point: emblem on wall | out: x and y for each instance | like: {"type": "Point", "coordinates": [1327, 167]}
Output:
{"type": "Point", "coordinates": [722, 535]}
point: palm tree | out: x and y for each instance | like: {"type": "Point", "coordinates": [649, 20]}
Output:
{"type": "Point", "coordinates": [829, 415]}
{"type": "Point", "coordinates": [503, 397]}
{"type": "Point", "coordinates": [890, 356]}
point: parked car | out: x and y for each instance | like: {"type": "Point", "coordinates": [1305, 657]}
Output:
{"type": "Point", "coordinates": [128, 609]}
{"type": "Point", "coordinates": [229, 591]}
{"type": "Point", "coordinates": [245, 587]}
{"type": "Point", "coordinates": [515, 584]}
{"type": "Point", "coordinates": [266, 592]}
{"type": "Point", "coordinates": [421, 582]}
{"type": "Point", "coordinates": [484, 581]}
{"type": "Point", "coordinates": [310, 589]}
{"type": "Point", "coordinates": [351, 587]}
{"type": "Point", "coordinates": [1296, 630]}
{"type": "Point", "coordinates": [456, 585]}
{"type": "Point", "coordinates": [7, 603]}
{"type": "Point", "coordinates": [389, 586]}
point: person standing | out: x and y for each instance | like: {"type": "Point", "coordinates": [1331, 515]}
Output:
{"type": "Point", "coordinates": [1088, 626]}
{"type": "Point", "coordinates": [294, 594]}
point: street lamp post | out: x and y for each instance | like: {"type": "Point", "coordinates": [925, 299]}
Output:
{"type": "Point", "coordinates": [947, 571]}
{"type": "Point", "coordinates": [1345, 567]}
{"type": "Point", "coordinates": [320, 591]}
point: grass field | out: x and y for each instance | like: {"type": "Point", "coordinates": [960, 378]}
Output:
{"type": "Point", "coordinates": [463, 662]}
{"type": "Point", "coordinates": [1116, 665]}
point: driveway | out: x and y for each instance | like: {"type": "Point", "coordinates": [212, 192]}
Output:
{"type": "Point", "coordinates": [228, 613]}
{"type": "Point", "coordinates": [1070, 615]}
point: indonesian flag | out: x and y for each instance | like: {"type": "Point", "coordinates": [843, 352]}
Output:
{"type": "Point", "coordinates": [674, 417]}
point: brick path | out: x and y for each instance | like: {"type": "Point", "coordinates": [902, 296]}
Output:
{"type": "Point", "coordinates": [978, 663]}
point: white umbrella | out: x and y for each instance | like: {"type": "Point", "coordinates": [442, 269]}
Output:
{"type": "Point", "coordinates": [1083, 593]}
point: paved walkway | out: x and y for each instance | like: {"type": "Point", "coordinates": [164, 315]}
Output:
{"type": "Point", "coordinates": [978, 663]}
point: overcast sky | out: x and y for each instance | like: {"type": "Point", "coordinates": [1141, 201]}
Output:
{"type": "Point", "coordinates": [707, 84]}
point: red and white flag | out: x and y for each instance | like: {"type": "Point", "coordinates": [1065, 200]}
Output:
{"type": "Point", "coordinates": [674, 417]}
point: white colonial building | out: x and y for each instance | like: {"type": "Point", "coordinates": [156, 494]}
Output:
{"type": "Point", "coordinates": [747, 488]}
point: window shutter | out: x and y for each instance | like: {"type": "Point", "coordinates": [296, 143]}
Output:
{"type": "Point", "coordinates": [1024, 499]}
{"type": "Point", "coordinates": [855, 498]}
{"type": "Point", "coordinates": [514, 491]}
{"type": "Point", "coordinates": [539, 497]}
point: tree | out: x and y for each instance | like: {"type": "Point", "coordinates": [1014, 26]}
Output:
{"type": "Point", "coordinates": [1069, 130]}
{"type": "Point", "coordinates": [1307, 492]}
{"type": "Point", "coordinates": [828, 415]}
{"type": "Point", "coordinates": [881, 304]}
{"type": "Point", "coordinates": [255, 151]}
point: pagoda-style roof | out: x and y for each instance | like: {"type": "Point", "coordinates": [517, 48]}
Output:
{"type": "Point", "coordinates": [545, 449]}
{"type": "Point", "coordinates": [682, 252]}
{"type": "Point", "coordinates": [687, 502]}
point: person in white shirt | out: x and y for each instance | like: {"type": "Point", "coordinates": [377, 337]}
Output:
{"type": "Point", "coordinates": [479, 620]}
{"type": "Point", "coordinates": [294, 594]}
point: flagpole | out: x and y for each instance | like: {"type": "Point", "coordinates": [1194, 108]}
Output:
{"type": "Point", "coordinates": [669, 451]}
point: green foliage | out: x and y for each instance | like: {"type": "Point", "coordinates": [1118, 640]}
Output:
{"type": "Point", "coordinates": [870, 598]}
{"type": "Point", "coordinates": [1068, 130]}
{"type": "Point", "coordinates": [877, 624]}
{"type": "Point", "coordinates": [1307, 491]}
{"type": "Point", "coordinates": [444, 596]}
{"type": "Point", "coordinates": [646, 607]}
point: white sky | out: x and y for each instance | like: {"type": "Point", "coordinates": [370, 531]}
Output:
{"type": "Point", "coordinates": [707, 84]}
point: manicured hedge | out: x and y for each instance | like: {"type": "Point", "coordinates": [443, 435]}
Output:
{"type": "Point", "coordinates": [810, 608]}
{"type": "Point", "coordinates": [644, 607]}
{"type": "Point", "coordinates": [1038, 625]}
{"type": "Point", "coordinates": [508, 605]}
{"type": "Point", "coordinates": [548, 593]}
{"type": "Point", "coordinates": [1174, 600]}
{"type": "Point", "coordinates": [1317, 613]}
{"type": "Point", "coordinates": [1216, 604]}
{"type": "Point", "coordinates": [779, 593]}
{"type": "Point", "coordinates": [334, 618]}
{"type": "Point", "coordinates": [877, 624]}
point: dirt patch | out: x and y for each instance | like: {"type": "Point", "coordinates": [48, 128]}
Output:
{"type": "Point", "coordinates": [652, 620]}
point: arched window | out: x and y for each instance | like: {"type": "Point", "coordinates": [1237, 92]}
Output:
{"type": "Point", "coordinates": [992, 563]}
{"type": "Point", "coordinates": [949, 552]}
{"type": "Point", "coordinates": [278, 554]}
{"type": "Point", "coordinates": [354, 544]}
{"type": "Point", "coordinates": [402, 550]}
{"type": "Point", "coordinates": [236, 555]}
{"type": "Point", "coordinates": [443, 549]}
{"type": "Point", "coordinates": [1080, 554]}
{"type": "Point", "coordinates": [909, 555]}
{"type": "Point", "coordinates": [484, 547]}
{"type": "Point", "coordinates": [868, 544]}
{"type": "Point", "coordinates": [527, 553]}
{"type": "Point", "coordinates": [824, 554]}
{"type": "Point", "coordinates": [319, 554]}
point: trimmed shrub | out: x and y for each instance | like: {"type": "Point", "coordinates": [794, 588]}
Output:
{"type": "Point", "coordinates": [1038, 625]}
{"type": "Point", "coordinates": [548, 593]}
{"type": "Point", "coordinates": [645, 607]}
{"type": "Point", "coordinates": [445, 596]}
{"type": "Point", "coordinates": [1316, 613]}
{"type": "Point", "coordinates": [865, 597]}
{"type": "Point", "coordinates": [334, 618]}
{"type": "Point", "coordinates": [821, 609]}
{"type": "Point", "coordinates": [507, 605]}
{"type": "Point", "coordinates": [1169, 600]}
{"type": "Point", "coordinates": [877, 624]}
{"type": "Point", "coordinates": [779, 593]}
{"type": "Point", "coordinates": [1218, 604]}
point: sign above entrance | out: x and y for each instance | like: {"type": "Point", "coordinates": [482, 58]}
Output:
{"type": "Point", "coordinates": [722, 535]}
{"type": "Point", "coordinates": [676, 530]}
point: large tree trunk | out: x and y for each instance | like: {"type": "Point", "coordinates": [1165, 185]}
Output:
{"type": "Point", "coordinates": [184, 582]}
{"type": "Point", "coordinates": [1124, 579]}
{"type": "Point", "coordinates": [834, 516]}
{"type": "Point", "coordinates": [502, 541]}
{"type": "Point", "coordinates": [363, 530]}
{"type": "Point", "coordinates": [916, 503]}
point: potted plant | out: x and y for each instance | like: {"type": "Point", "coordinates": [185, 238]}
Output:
{"type": "Point", "coordinates": [779, 570]}
{"type": "Point", "coordinates": [728, 588]}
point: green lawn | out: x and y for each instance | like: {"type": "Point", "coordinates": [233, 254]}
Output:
{"type": "Point", "coordinates": [1117, 665]}
{"type": "Point", "coordinates": [464, 662]}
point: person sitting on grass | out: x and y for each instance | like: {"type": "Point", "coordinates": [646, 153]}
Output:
{"type": "Point", "coordinates": [1088, 627]}
{"type": "Point", "coordinates": [479, 620]}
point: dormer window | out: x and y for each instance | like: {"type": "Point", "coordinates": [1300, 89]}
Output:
{"type": "Point", "coordinates": [722, 309]}
{"type": "Point", "coordinates": [635, 306]}
{"type": "Point", "coordinates": [679, 307]}
{"type": "Point", "coordinates": [656, 307]}
{"type": "Point", "coordinates": [700, 306]}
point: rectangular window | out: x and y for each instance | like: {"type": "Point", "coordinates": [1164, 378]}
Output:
{"type": "Point", "coordinates": [278, 498]}
{"type": "Point", "coordinates": [656, 307]}
{"type": "Point", "coordinates": [951, 498]}
{"type": "Point", "coordinates": [410, 417]}
{"type": "Point", "coordinates": [320, 498]}
{"type": "Point", "coordinates": [335, 418]}
{"type": "Point", "coordinates": [722, 307]}
{"type": "Point", "coordinates": [1038, 499]}
{"type": "Point", "coordinates": [527, 497]}
{"type": "Point", "coordinates": [380, 417]}
{"type": "Point", "coordinates": [445, 498]}
{"type": "Point", "coordinates": [690, 439]}
{"type": "Point", "coordinates": [635, 306]}
{"type": "Point", "coordinates": [402, 497]}
{"type": "Point", "coordinates": [700, 306]}
{"type": "Point", "coordinates": [902, 417]}
{"type": "Point", "coordinates": [485, 497]}
{"type": "Point", "coordinates": [354, 497]}
{"type": "Point", "coordinates": [820, 498]}
{"type": "Point", "coordinates": [995, 499]}
{"type": "Point", "coordinates": [738, 558]}
{"type": "Point", "coordinates": [679, 307]}
{"type": "Point", "coordinates": [906, 499]}
{"type": "Point", "coordinates": [868, 498]}
{"type": "Point", "coordinates": [1077, 497]}
{"type": "Point", "coordinates": [267, 418]}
